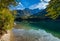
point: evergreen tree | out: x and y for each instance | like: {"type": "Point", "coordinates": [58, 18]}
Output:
{"type": "Point", "coordinates": [53, 9]}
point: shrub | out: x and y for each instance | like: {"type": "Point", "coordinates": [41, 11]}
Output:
{"type": "Point", "coordinates": [6, 20]}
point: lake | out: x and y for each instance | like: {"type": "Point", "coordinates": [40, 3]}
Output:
{"type": "Point", "coordinates": [50, 26]}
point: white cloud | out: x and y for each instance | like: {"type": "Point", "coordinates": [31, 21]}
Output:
{"type": "Point", "coordinates": [33, 6]}
{"type": "Point", "coordinates": [18, 7]}
{"type": "Point", "coordinates": [42, 5]}
{"type": "Point", "coordinates": [46, 0]}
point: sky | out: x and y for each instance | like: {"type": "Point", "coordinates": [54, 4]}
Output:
{"type": "Point", "coordinates": [31, 4]}
{"type": "Point", "coordinates": [27, 3]}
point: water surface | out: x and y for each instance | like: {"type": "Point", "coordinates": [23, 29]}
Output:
{"type": "Point", "coordinates": [51, 26]}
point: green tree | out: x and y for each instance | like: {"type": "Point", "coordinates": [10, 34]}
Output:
{"type": "Point", "coordinates": [6, 16]}
{"type": "Point", "coordinates": [53, 9]}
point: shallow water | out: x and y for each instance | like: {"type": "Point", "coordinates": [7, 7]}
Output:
{"type": "Point", "coordinates": [33, 35]}
{"type": "Point", "coordinates": [48, 26]}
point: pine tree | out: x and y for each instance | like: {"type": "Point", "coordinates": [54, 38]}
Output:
{"type": "Point", "coordinates": [53, 9]}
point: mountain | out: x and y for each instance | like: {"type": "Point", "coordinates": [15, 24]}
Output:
{"type": "Point", "coordinates": [31, 13]}
{"type": "Point", "coordinates": [40, 14]}
{"type": "Point", "coordinates": [27, 12]}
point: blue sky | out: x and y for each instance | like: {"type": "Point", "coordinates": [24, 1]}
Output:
{"type": "Point", "coordinates": [27, 3]}
{"type": "Point", "coordinates": [31, 4]}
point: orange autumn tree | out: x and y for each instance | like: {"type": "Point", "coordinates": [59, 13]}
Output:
{"type": "Point", "coordinates": [6, 16]}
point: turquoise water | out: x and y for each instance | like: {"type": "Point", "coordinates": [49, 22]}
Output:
{"type": "Point", "coordinates": [48, 25]}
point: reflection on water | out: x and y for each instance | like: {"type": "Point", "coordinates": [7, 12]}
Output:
{"type": "Point", "coordinates": [33, 35]}
{"type": "Point", "coordinates": [44, 24]}
{"type": "Point", "coordinates": [49, 26]}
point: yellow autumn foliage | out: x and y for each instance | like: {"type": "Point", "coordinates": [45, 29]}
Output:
{"type": "Point", "coordinates": [53, 9]}
{"type": "Point", "coordinates": [6, 19]}
{"type": "Point", "coordinates": [6, 16]}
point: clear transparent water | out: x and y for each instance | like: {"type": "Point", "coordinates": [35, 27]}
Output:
{"type": "Point", "coordinates": [50, 26]}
